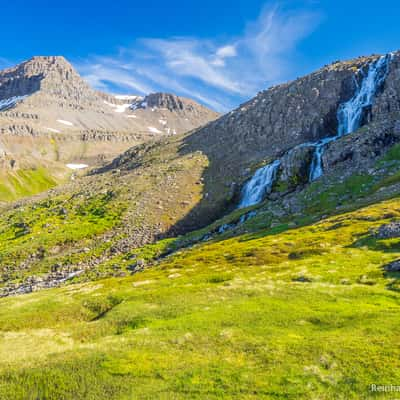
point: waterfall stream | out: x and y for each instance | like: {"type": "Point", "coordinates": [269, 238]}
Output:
{"type": "Point", "coordinates": [259, 185]}
{"type": "Point", "coordinates": [350, 113]}
{"type": "Point", "coordinates": [316, 169]}
{"type": "Point", "coordinates": [349, 117]}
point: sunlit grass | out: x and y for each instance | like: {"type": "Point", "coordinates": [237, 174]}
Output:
{"type": "Point", "coordinates": [303, 313]}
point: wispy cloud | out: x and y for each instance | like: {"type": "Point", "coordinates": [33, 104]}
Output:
{"type": "Point", "coordinates": [4, 63]}
{"type": "Point", "coordinates": [219, 74]}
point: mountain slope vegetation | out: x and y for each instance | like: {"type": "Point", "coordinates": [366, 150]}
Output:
{"type": "Point", "coordinates": [161, 286]}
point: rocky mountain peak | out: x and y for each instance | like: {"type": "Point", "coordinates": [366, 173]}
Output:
{"type": "Point", "coordinates": [168, 102]}
{"type": "Point", "coordinates": [44, 65]}
{"type": "Point", "coordinates": [165, 100]}
{"type": "Point", "coordinates": [46, 96]}
{"type": "Point", "coordinates": [44, 73]}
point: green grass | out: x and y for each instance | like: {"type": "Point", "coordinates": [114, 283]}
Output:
{"type": "Point", "coordinates": [346, 192]}
{"type": "Point", "coordinates": [302, 313]}
{"type": "Point", "coordinates": [393, 154]}
{"type": "Point", "coordinates": [48, 231]}
{"type": "Point", "coordinates": [290, 308]}
{"type": "Point", "coordinates": [23, 183]}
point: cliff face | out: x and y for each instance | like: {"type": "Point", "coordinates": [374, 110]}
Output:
{"type": "Point", "coordinates": [284, 116]}
{"type": "Point", "coordinates": [45, 74]}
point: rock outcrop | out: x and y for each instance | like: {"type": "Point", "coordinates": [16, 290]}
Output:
{"type": "Point", "coordinates": [359, 151]}
{"type": "Point", "coordinates": [393, 266]}
{"type": "Point", "coordinates": [295, 167]}
{"type": "Point", "coordinates": [389, 231]}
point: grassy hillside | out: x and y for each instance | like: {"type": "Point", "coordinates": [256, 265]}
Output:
{"type": "Point", "coordinates": [302, 313]}
{"type": "Point", "coordinates": [95, 223]}
{"type": "Point", "coordinates": [21, 183]}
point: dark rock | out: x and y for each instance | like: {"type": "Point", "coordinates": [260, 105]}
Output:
{"type": "Point", "coordinates": [63, 211]}
{"type": "Point", "coordinates": [302, 279]}
{"type": "Point", "coordinates": [295, 167]}
{"type": "Point", "coordinates": [359, 151]}
{"type": "Point", "coordinates": [137, 266]}
{"type": "Point", "coordinates": [393, 266]}
{"type": "Point", "coordinates": [389, 231]}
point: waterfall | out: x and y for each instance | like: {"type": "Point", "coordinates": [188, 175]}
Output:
{"type": "Point", "coordinates": [349, 115]}
{"type": "Point", "coordinates": [259, 185]}
{"type": "Point", "coordinates": [316, 170]}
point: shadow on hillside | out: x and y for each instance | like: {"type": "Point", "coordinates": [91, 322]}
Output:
{"type": "Point", "coordinates": [238, 143]}
{"type": "Point", "coordinates": [221, 189]}
{"type": "Point", "coordinates": [375, 244]}
{"type": "Point", "coordinates": [394, 284]}
{"type": "Point", "coordinates": [233, 157]}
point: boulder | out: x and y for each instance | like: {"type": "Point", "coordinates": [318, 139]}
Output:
{"type": "Point", "coordinates": [393, 266]}
{"type": "Point", "coordinates": [389, 231]}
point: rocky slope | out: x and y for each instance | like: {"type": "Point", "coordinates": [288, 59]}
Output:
{"type": "Point", "coordinates": [47, 111]}
{"type": "Point", "coordinates": [285, 123]}
{"type": "Point", "coordinates": [173, 185]}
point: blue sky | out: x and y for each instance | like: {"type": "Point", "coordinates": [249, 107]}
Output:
{"type": "Point", "coordinates": [219, 52]}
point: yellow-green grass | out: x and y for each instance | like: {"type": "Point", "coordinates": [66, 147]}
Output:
{"type": "Point", "coordinates": [25, 182]}
{"type": "Point", "coordinates": [43, 231]}
{"type": "Point", "coordinates": [306, 313]}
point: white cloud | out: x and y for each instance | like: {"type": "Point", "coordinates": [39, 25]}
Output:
{"type": "Point", "coordinates": [217, 73]}
{"type": "Point", "coordinates": [192, 58]}
{"type": "Point", "coordinates": [226, 51]}
{"type": "Point", "coordinates": [222, 53]}
{"type": "Point", "coordinates": [107, 70]}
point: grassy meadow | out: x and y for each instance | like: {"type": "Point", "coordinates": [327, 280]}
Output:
{"type": "Point", "coordinates": [300, 313]}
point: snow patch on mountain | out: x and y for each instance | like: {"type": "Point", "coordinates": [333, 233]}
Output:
{"type": "Point", "coordinates": [53, 130]}
{"type": "Point", "coordinates": [119, 108]}
{"type": "Point", "coordinates": [128, 97]}
{"type": "Point", "coordinates": [64, 122]}
{"type": "Point", "coordinates": [139, 104]}
{"type": "Point", "coordinates": [154, 130]}
{"type": "Point", "coordinates": [77, 166]}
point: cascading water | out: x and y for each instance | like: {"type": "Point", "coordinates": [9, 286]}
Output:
{"type": "Point", "coordinates": [316, 169]}
{"type": "Point", "coordinates": [259, 185]}
{"type": "Point", "coordinates": [349, 118]}
{"type": "Point", "coordinates": [350, 114]}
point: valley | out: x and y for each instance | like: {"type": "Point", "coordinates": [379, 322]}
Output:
{"type": "Point", "coordinates": [249, 255]}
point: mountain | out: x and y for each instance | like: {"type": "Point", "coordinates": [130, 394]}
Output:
{"type": "Point", "coordinates": [48, 114]}
{"type": "Point", "coordinates": [288, 124]}
{"type": "Point", "coordinates": [177, 184]}
{"type": "Point", "coordinates": [259, 249]}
